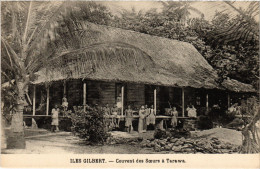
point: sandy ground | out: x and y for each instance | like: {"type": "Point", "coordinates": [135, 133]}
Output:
{"type": "Point", "coordinates": [44, 142]}
{"type": "Point", "coordinates": [223, 134]}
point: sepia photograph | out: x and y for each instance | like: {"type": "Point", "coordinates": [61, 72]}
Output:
{"type": "Point", "coordinates": [130, 77]}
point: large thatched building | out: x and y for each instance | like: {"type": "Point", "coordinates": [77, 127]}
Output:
{"type": "Point", "coordinates": [115, 65]}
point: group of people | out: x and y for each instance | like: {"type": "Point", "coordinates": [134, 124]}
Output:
{"type": "Point", "coordinates": [113, 115]}
{"type": "Point", "coordinates": [146, 117]}
{"type": "Point", "coordinates": [55, 114]}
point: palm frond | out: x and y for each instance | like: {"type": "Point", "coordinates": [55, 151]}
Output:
{"type": "Point", "coordinates": [244, 26]}
{"type": "Point", "coordinates": [195, 10]}
{"type": "Point", "coordinates": [27, 23]}
{"type": "Point", "coordinates": [50, 12]}
{"type": "Point", "coordinates": [12, 55]}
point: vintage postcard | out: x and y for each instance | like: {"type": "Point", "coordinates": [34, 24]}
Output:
{"type": "Point", "coordinates": [135, 84]}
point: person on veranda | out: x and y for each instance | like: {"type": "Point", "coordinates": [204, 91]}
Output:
{"type": "Point", "coordinates": [114, 114]}
{"type": "Point", "coordinates": [192, 112]}
{"type": "Point", "coordinates": [65, 103]}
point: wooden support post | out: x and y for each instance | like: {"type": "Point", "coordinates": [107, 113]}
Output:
{"type": "Point", "coordinates": [122, 100]}
{"type": "Point", "coordinates": [155, 95]}
{"type": "Point", "coordinates": [48, 100]}
{"type": "Point", "coordinates": [183, 105]}
{"type": "Point", "coordinates": [29, 99]}
{"type": "Point", "coordinates": [34, 99]}
{"type": "Point", "coordinates": [228, 100]}
{"type": "Point", "coordinates": [207, 102]}
{"type": "Point", "coordinates": [64, 88]}
{"type": "Point", "coordinates": [84, 95]}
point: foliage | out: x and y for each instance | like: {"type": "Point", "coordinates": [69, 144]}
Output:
{"type": "Point", "coordinates": [181, 10]}
{"type": "Point", "coordinates": [227, 43]}
{"type": "Point", "coordinates": [234, 56]}
{"type": "Point", "coordinates": [90, 11]}
{"type": "Point", "coordinates": [89, 124]}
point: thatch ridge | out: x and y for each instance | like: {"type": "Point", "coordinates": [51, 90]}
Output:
{"type": "Point", "coordinates": [114, 54]}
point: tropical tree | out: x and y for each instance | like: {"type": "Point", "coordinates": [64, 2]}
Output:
{"type": "Point", "coordinates": [234, 51]}
{"type": "Point", "coordinates": [26, 30]}
{"type": "Point", "coordinates": [34, 33]}
{"type": "Point", "coordinates": [247, 30]}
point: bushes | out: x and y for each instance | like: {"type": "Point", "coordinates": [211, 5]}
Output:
{"type": "Point", "coordinates": [89, 124]}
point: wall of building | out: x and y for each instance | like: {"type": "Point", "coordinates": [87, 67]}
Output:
{"type": "Point", "coordinates": [135, 95]}
{"type": "Point", "coordinates": [74, 90]}
{"type": "Point", "coordinates": [149, 95]}
{"type": "Point", "coordinates": [100, 93]}
{"type": "Point", "coordinates": [56, 94]}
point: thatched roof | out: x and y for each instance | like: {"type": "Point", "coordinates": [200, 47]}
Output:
{"type": "Point", "coordinates": [113, 54]}
{"type": "Point", "coordinates": [236, 86]}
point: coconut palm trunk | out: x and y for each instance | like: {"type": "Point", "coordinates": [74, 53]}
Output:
{"type": "Point", "coordinates": [16, 138]}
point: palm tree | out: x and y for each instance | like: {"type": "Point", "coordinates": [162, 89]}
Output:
{"type": "Point", "coordinates": [182, 10]}
{"type": "Point", "coordinates": [33, 35]}
{"type": "Point", "coordinates": [246, 28]}
{"type": "Point", "coordinates": [27, 27]}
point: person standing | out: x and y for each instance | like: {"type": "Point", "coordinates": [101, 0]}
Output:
{"type": "Point", "coordinates": [106, 111]}
{"type": "Point", "coordinates": [128, 119]}
{"type": "Point", "coordinates": [142, 122]}
{"type": "Point", "coordinates": [114, 115]}
{"type": "Point", "coordinates": [55, 118]}
{"type": "Point", "coordinates": [65, 103]}
{"type": "Point", "coordinates": [174, 115]}
{"type": "Point", "coordinates": [150, 120]}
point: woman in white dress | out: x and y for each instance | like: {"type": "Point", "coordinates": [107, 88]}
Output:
{"type": "Point", "coordinates": [65, 103]}
{"type": "Point", "coordinates": [192, 112]}
{"type": "Point", "coordinates": [174, 115]}
{"type": "Point", "coordinates": [141, 122]}
{"type": "Point", "coordinates": [55, 118]}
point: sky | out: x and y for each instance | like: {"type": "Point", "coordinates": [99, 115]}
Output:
{"type": "Point", "coordinates": [208, 8]}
